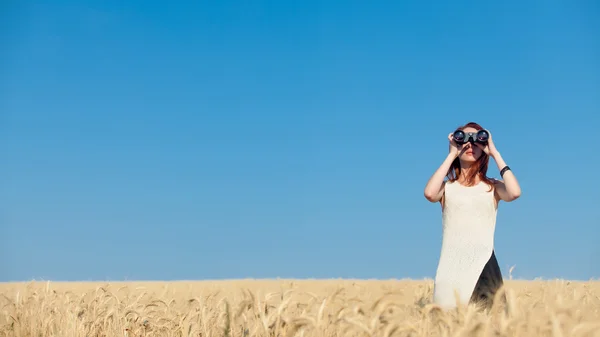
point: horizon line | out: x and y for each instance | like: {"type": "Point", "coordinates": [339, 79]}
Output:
{"type": "Point", "coordinates": [281, 279]}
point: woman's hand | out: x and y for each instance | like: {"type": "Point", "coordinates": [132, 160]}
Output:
{"type": "Point", "coordinates": [453, 148]}
{"type": "Point", "coordinates": [490, 147]}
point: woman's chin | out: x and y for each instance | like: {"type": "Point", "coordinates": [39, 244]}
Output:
{"type": "Point", "coordinates": [468, 158]}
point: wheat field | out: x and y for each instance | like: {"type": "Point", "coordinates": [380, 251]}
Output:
{"type": "Point", "coordinates": [342, 307]}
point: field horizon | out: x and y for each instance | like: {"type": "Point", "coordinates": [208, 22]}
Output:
{"type": "Point", "coordinates": [326, 279]}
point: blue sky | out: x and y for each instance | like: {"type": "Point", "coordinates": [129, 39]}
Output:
{"type": "Point", "coordinates": [149, 141]}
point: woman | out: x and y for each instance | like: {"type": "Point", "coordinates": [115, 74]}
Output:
{"type": "Point", "coordinates": [469, 201]}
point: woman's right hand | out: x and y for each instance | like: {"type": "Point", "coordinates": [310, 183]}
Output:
{"type": "Point", "coordinates": [453, 148]}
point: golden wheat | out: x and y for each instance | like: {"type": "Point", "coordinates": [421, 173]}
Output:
{"type": "Point", "coordinates": [291, 308]}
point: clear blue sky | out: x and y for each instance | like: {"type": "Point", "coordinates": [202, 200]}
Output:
{"type": "Point", "coordinates": [146, 140]}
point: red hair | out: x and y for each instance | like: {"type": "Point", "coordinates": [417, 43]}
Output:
{"type": "Point", "coordinates": [480, 167]}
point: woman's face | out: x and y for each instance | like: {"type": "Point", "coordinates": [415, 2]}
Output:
{"type": "Point", "coordinates": [470, 152]}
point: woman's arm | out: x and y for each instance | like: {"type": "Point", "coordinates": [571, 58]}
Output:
{"type": "Point", "coordinates": [434, 190]}
{"type": "Point", "coordinates": [507, 189]}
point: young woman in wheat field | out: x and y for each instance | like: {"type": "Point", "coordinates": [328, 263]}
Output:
{"type": "Point", "coordinates": [469, 200]}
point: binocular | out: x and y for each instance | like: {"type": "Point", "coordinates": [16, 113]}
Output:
{"type": "Point", "coordinates": [461, 137]}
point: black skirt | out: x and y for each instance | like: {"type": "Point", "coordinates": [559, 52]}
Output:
{"type": "Point", "coordinates": [490, 281]}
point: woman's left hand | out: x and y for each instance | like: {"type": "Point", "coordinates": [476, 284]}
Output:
{"type": "Point", "coordinates": [489, 148]}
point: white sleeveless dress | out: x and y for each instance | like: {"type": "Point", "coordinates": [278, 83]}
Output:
{"type": "Point", "coordinates": [468, 227]}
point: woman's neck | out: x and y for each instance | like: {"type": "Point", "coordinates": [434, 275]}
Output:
{"type": "Point", "coordinates": [466, 170]}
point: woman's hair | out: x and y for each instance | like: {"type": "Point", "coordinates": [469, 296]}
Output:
{"type": "Point", "coordinates": [480, 167]}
